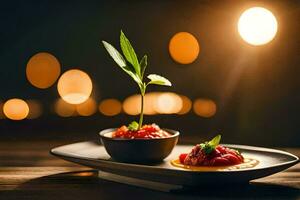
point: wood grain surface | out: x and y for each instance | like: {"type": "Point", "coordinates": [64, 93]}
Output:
{"type": "Point", "coordinates": [28, 171]}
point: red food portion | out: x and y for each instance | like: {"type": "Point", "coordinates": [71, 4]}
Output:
{"type": "Point", "coordinates": [220, 156]}
{"type": "Point", "coordinates": [182, 157]}
{"type": "Point", "coordinates": [146, 132]}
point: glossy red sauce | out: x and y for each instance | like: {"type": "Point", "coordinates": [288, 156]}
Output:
{"type": "Point", "coordinates": [220, 156]}
{"type": "Point", "coordinates": [146, 132]}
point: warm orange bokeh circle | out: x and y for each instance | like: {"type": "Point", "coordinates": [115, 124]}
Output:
{"type": "Point", "coordinates": [205, 107]}
{"type": "Point", "coordinates": [42, 70]}
{"type": "Point", "coordinates": [75, 86]}
{"type": "Point", "coordinates": [184, 48]}
{"type": "Point", "coordinates": [110, 107]}
{"type": "Point", "coordinates": [16, 109]}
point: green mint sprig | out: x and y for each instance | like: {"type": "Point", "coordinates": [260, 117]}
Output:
{"type": "Point", "coordinates": [133, 126]}
{"type": "Point", "coordinates": [135, 69]}
{"type": "Point", "coordinates": [208, 147]}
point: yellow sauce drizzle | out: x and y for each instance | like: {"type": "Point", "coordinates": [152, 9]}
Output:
{"type": "Point", "coordinates": [248, 163]}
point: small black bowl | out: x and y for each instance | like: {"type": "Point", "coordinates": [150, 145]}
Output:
{"type": "Point", "coordinates": [139, 150]}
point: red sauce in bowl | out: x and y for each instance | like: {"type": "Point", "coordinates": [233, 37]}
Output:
{"type": "Point", "coordinates": [146, 132]}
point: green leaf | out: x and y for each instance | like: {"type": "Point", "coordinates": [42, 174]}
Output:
{"type": "Point", "coordinates": [129, 53]}
{"type": "Point", "coordinates": [208, 147]}
{"type": "Point", "coordinates": [118, 58]}
{"type": "Point", "coordinates": [143, 65]}
{"type": "Point", "coordinates": [137, 79]}
{"type": "Point", "coordinates": [158, 80]}
{"type": "Point", "coordinates": [215, 141]}
{"type": "Point", "coordinates": [133, 126]}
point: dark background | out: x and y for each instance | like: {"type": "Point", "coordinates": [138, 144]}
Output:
{"type": "Point", "coordinates": [256, 89]}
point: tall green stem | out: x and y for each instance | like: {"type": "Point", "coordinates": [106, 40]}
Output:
{"type": "Point", "coordinates": [143, 89]}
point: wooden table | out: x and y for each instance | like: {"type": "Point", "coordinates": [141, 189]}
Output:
{"type": "Point", "coordinates": [27, 171]}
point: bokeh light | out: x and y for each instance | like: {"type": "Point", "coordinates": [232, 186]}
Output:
{"type": "Point", "coordinates": [132, 104]}
{"type": "Point", "coordinates": [184, 48]}
{"type": "Point", "coordinates": [150, 103]}
{"type": "Point", "coordinates": [186, 105]}
{"type": "Point", "coordinates": [168, 103]}
{"type": "Point", "coordinates": [110, 107]}
{"type": "Point", "coordinates": [42, 70]}
{"type": "Point", "coordinates": [257, 26]}
{"type": "Point", "coordinates": [205, 107]}
{"type": "Point", "coordinates": [64, 109]}
{"type": "Point", "coordinates": [15, 109]}
{"type": "Point", "coordinates": [75, 86]}
{"type": "Point", "coordinates": [87, 108]}
{"type": "Point", "coordinates": [35, 109]}
{"type": "Point", "coordinates": [154, 103]}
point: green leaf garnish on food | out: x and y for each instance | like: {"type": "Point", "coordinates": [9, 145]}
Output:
{"type": "Point", "coordinates": [133, 126]}
{"type": "Point", "coordinates": [135, 69]}
{"type": "Point", "coordinates": [215, 141]}
{"type": "Point", "coordinates": [208, 147]}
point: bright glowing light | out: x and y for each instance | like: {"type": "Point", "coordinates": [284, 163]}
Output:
{"type": "Point", "coordinates": [257, 26]}
{"type": "Point", "coordinates": [132, 104]}
{"type": "Point", "coordinates": [15, 109]}
{"type": "Point", "coordinates": [110, 107]}
{"type": "Point", "coordinates": [184, 48]}
{"type": "Point", "coordinates": [75, 86]}
{"type": "Point", "coordinates": [42, 70]}
{"type": "Point", "coordinates": [168, 103]}
{"type": "Point", "coordinates": [205, 107]}
{"type": "Point", "coordinates": [186, 105]}
{"type": "Point", "coordinates": [35, 109]}
{"type": "Point", "coordinates": [154, 103]}
{"type": "Point", "coordinates": [87, 108]}
{"type": "Point", "coordinates": [64, 109]}
{"type": "Point", "coordinates": [150, 103]}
